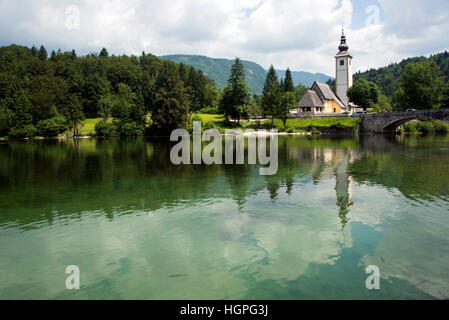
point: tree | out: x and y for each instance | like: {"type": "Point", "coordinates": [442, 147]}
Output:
{"type": "Point", "coordinates": [103, 53]}
{"type": "Point", "coordinates": [21, 108]}
{"type": "Point", "coordinates": [34, 51]}
{"type": "Point", "coordinates": [421, 86]}
{"type": "Point", "coordinates": [288, 82]}
{"type": "Point", "coordinates": [445, 96]}
{"type": "Point", "coordinates": [124, 108]}
{"type": "Point", "coordinates": [74, 114]}
{"type": "Point", "coordinates": [105, 105]}
{"type": "Point", "coordinates": [364, 94]}
{"type": "Point", "coordinates": [382, 104]}
{"type": "Point", "coordinates": [53, 55]}
{"type": "Point", "coordinates": [271, 95]}
{"type": "Point", "coordinates": [42, 54]}
{"type": "Point", "coordinates": [171, 107]}
{"type": "Point", "coordinates": [236, 94]}
{"type": "Point", "coordinates": [300, 91]}
{"type": "Point", "coordinates": [288, 102]}
{"type": "Point", "coordinates": [331, 83]}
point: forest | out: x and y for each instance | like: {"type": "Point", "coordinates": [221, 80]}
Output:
{"type": "Point", "coordinates": [49, 94]}
{"type": "Point", "coordinates": [388, 78]}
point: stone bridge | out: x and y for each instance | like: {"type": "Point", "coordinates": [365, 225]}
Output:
{"type": "Point", "coordinates": [388, 122]}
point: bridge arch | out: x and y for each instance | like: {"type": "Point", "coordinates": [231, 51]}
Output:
{"type": "Point", "coordinates": [391, 127]}
{"type": "Point", "coordinates": [388, 122]}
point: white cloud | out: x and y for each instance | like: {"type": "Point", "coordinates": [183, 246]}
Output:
{"type": "Point", "coordinates": [302, 34]}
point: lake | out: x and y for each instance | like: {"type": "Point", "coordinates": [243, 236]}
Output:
{"type": "Point", "coordinates": [139, 227]}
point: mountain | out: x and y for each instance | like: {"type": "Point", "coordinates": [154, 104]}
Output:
{"type": "Point", "coordinates": [305, 78]}
{"type": "Point", "coordinates": [218, 70]}
{"type": "Point", "coordinates": [387, 78]}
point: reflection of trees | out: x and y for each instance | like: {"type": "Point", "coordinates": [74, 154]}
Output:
{"type": "Point", "coordinates": [238, 178]}
{"type": "Point", "coordinates": [419, 170]}
{"type": "Point", "coordinates": [46, 176]}
{"type": "Point", "coordinates": [116, 175]}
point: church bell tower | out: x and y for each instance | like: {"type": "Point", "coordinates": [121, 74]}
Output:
{"type": "Point", "coordinates": [343, 71]}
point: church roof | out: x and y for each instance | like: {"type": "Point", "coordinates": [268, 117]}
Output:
{"type": "Point", "coordinates": [325, 92]}
{"type": "Point", "coordinates": [311, 99]}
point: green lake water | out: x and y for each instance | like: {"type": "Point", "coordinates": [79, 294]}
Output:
{"type": "Point", "coordinates": [139, 227]}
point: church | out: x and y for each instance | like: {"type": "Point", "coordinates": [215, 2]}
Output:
{"type": "Point", "coordinates": [321, 99]}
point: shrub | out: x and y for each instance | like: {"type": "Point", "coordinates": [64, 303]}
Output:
{"type": "Point", "coordinates": [411, 127]}
{"type": "Point", "coordinates": [208, 110]}
{"type": "Point", "coordinates": [131, 129]}
{"type": "Point", "coordinates": [338, 126]}
{"type": "Point", "coordinates": [425, 127]}
{"type": "Point", "coordinates": [105, 129]}
{"type": "Point", "coordinates": [196, 118]}
{"type": "Point", "coordinates": [27, 131]}
{"type": "Point", "coordinates": [4, 121]}
{"type": "Point", "coordinates": [277, 125]}
{"type": "Point", "coordinates": [52, 127]}
{"type": "Point", "coordinates": [312, 129]}
{"type": "Point", "coordinates": [440, 127]}
{"type": "Point", "coordinates": [208, 125]}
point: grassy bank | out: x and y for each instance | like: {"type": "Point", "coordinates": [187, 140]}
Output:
{"type": "Point", "coordinates": [88, 128]}
{"type": "Point", "coordinates": [292, 125]}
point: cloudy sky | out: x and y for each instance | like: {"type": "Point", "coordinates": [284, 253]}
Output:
{"type": "Point", "coordinates": [300, 34]}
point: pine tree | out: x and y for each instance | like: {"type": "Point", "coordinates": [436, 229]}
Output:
{"type": "Point", "coordinates": [42, 53]}
{"type": "Point", "coordinates": [104, 53]}
{"type": "Point", "coordinates": [238, 94]}
{"type": "Point", "coordinates": [288, 82]}
{"type": "Point", "coordinates": [34, 51]}
{"type": "Point", "coordinates": [271, 95]}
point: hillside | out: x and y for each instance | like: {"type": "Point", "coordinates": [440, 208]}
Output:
{"type": "Point", "coordinates": [218, 70]}
{"type": "Point", "coordinates": [387, 78]}
{"type": "Point", "coordinates": [305, 78]}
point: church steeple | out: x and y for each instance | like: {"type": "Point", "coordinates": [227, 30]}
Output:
{"type": "Point", "coordinates": [343, 45]}
{"type": "Point", "coordinates": [343, 77]}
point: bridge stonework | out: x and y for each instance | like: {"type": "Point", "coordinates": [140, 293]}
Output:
{"type": "Point", "coordinates": [388, 122]}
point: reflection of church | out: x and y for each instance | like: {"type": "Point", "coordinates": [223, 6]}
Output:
{"type": "Point", "coordinates": [326, 163]}
{"type": "Point", "coordinates": [339, 160]}
{"type": "Point", "coordinates": [343, 189]}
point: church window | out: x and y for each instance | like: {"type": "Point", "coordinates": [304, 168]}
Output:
{"type": "Point", "coordinates": [342, 62]}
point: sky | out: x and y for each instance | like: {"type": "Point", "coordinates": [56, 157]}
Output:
{"type": "Point", "coordinates": [300, 34]}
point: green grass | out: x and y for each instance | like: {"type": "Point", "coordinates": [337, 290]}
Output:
{"type": "Point", "coordinates": [322, 122]}
{"type": "Point", "coordinates": [219, 122]}
{"type": "Point", "coordinates": [88, 127]}
{"type": "Point", "coordinates": [295, 124]}
{"type": "Point", "coordinates": [211, 117]}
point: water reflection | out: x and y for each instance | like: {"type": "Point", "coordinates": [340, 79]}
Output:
{"type": "Point", "coordinates": [129, 217]}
